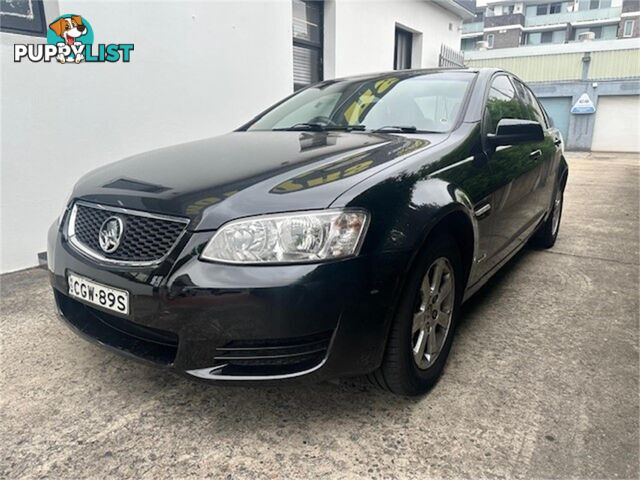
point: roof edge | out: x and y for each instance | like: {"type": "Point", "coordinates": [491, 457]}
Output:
{"type": "Point", "coordinates": [455, 7]}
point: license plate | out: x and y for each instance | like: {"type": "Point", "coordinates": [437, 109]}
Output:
{"type": "Point", "coordinates": [97, 294]}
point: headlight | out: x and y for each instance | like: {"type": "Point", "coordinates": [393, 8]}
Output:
{"type": "Point", "coordinates": [289, 238]}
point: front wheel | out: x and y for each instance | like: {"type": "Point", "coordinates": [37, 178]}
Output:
{"type": "Point", "coordinates": [422, 332]}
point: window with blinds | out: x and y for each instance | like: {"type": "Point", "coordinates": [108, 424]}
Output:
{"type": "Point", "coordinates": [307, 42]}
{"type": "Point", "coordinates": [403, 46]}
{"type": "Point", "coordinates": [25, 17]}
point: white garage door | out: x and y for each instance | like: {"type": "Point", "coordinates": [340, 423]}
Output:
{"type": "Point", "coordinates": [617, 126]}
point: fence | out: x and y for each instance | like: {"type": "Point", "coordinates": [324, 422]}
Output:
{"type": "Point", "coordinates": [450, 57]}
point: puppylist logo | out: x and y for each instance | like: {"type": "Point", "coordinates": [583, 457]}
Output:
{"type": "Point", "coordinates": [70, 40]}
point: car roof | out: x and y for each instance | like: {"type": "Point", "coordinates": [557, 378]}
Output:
{"type": "Point", "coordinates": [412, 73]}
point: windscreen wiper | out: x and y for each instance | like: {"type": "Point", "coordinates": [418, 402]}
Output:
{"type": "Point", "coordinates": [347, 128]}
{"type": "Point", "coordinates": [319, 127]}
{"type": "Point", "coordinates": [397, 128]}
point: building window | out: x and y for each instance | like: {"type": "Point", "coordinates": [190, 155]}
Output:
{"type": "Point", "coordinates": [490, 39]}
{"type": "Point", "coordinates": [555, 8]}
{"type": "Point", "coordinates": [24, 17]}
{"type": "Point", "coordinates": [533, 38]}
{"type": "Point", "coordinates": [545, 9]}
{"type": "Point", "coordinates": [559, 36]}
{"type": "Point", "coordinates": [597, 31]}
{"type": "Point", "coordinates": [593, 4]}
{"type": "Point", "coordinates": [607, 32]}
{"type": "Point", "coordinates": [468, 44]}
{"type": "Point", "coordinates": [627, 31]}
{"type": "Point", "coordinates": [403, 49]}
{"type": "Point", "coordinates": [552, 36]}
{"type": "Point", "coordinates": [307, 42]}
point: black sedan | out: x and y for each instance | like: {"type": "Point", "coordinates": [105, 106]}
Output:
{"type": "Point", "coordinates": [335, 234]}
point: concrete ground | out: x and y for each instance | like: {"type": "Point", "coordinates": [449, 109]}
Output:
{"type": "Point", "coordinates": [542, 381]}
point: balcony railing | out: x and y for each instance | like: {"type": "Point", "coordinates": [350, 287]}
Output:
{"type": "Point", "coordinates": [474, 27]}
{"type": "Point", "coordinates": [573, 17]}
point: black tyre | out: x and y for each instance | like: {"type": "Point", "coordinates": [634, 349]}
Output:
{"type": "Point", "coordinates": [423, 328]}
{"type": "Point", "coordinates": [547, 233]}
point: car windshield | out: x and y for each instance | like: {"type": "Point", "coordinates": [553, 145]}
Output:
{"type": "Point", "coordinates": [424, 102]}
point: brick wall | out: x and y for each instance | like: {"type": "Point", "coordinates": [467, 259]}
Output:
{"type": "Point", "coordinates": [636, 26]}
{"type": "Point", "coordinates": [502, 20]}
{"type": "Point", "coordinates": [630, 6]}
{"type": "Point", "coordinates": [505, 38]}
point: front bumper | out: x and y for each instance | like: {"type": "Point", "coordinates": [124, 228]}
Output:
{"type": "Point", "coordinates": [238, 323]}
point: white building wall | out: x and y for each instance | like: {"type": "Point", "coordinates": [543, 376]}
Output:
{"type": "Point", "coordinates": [198, 69]}
{"type": "Point", "coordinates": [365, 34]}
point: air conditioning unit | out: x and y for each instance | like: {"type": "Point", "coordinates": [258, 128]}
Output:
{"type": "Point", "coordinates": [586, 36]}
{"type": "Point", "coordinates": [482, 45]}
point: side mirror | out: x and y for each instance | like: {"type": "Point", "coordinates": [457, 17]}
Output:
{"type": "Point", "coordinates": [511, 131]}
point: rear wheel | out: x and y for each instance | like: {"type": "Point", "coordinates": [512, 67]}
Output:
{"type": "Point", "coordinates": [422, 332]}
{"type": "Point", "coordinates": [547, 233]}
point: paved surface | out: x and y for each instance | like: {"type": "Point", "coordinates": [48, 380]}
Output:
{"type": "Point", "coordinates": [542, 381]}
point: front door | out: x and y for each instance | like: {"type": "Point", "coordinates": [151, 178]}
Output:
{"type": "Point", "coordinates": [517, 172]}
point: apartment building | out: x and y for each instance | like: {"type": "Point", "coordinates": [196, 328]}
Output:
{"type": "Point", "coordinates": [508, 24]}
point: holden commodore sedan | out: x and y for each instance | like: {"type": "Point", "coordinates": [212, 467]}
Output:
{"type": "Point", "coordinates": [335, 234]}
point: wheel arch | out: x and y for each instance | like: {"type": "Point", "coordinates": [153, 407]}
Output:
{"type": "Point", "coordinates": [564, 173]}
{"type": "Point", "coordinates": [457, 221]}
{"type": "Point", "coordinates": [462, 230]}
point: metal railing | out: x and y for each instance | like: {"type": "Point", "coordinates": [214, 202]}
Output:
{"type": "Point", "coordinates": [573, 17]}
{"type": "Point", "coordinates": [474, 27]}
{"type": "Point", "coordinates": [450, 57]}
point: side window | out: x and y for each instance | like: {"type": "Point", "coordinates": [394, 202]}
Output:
{"type": "Point", "coordinates": [549, 120]}
{"type": "Point", "coordinates": [501, 103]}
{"type": "Point", "coordinates": [532, 108]}
{"type": "Point", "coordinates": [539, 111]}
{"type": "Point", "coordinates": [527, 110]}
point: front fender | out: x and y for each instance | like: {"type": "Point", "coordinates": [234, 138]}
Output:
{"type": "Point", "coordinates": [447, 200]}
{"type": "Point", "coordinates": [404, 212]}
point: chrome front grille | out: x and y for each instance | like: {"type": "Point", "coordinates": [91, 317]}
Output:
{"type": "Point", "coordinates": [146, 238]}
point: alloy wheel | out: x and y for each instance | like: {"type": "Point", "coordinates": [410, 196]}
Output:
{"type": "Point", "coordinates": [433, 313]}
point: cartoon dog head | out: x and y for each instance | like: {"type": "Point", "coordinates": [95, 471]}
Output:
{"type": "Point", "coordinates": [69, 28]}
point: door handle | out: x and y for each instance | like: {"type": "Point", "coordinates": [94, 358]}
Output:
{"type": "Point", "coordinates": [536, 153]}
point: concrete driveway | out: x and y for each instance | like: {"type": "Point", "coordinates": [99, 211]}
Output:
{"type": "Point", "coordinates": [542, 381]}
